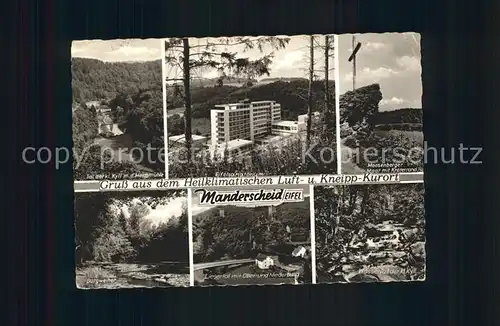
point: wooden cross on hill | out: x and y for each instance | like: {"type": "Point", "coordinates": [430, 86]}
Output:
{"type": "Point", "coordinates": [352, 57]}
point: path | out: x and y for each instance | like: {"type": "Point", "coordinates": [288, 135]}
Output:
{"type": "Point", "coordinates": [201, 266]}
{"type": "Point", "coordinates": [348, 166]}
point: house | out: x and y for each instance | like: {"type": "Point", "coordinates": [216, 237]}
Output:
{"type": "Point", "coordinates": [104, 110]}
{"type": "Point", "coordinates": [299, 252]}
{"type": "Point", "coordinates": [264, 261]}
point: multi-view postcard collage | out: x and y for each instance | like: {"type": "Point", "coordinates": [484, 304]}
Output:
{"type": "Point", "coordinates": [262, 160]}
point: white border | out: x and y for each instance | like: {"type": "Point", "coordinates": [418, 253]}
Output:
{"type": "Point", "coordinates": [337, 100]}
{"type": "Point", "coordinates": [272, 181]}
{"type": "Point", "coordinates": [313, 233]}
{"type": "Point", "coordinates": [164, 95]}
{"type": "Point", "coordinates": [190, 236]}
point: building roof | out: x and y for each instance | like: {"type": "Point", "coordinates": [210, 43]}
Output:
{"type": "Point", "coordinates": [262, 257]}
{"type": "Point", "coordinates": [286, 123]}
{"type": "Point", "coordinates": [181, 138]}
{"type": "Point", "coordinates": [270, 138]}
{"type": "Point", "coordinates": [232, 105]}
{"type": "Point", "coordinates": [297, 250]}
{"type": "Point", "coordinates": [234, 144]}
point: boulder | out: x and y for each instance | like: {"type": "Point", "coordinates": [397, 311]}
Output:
{"type": "Point", "coordinates": [373, 232]}
{"type": "Point", "coordinates": [409, 235]}
{"type": "Point", "coordinates": [418, 250]}
{"type": "Point", "coordinates": [364, 278]}
{"type": "Point", "coordinates": [358, 109]}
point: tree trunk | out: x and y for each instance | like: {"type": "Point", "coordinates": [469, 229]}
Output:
{"type": "Point", "coordinates": [187, 98]}
{"type": "Point", "coordinates": [364, 201]}
{"type": "Point", "coordinates": [353, 195]}
{"type": "Point", "coordinates": [328, 116]}
{"type": "Point", "coordinates": [309, 93]}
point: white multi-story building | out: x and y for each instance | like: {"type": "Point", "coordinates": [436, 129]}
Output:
{"type": "Point", "coordinates": [244, 120]}
{"type": "Point", "coordinates": [248, 121]}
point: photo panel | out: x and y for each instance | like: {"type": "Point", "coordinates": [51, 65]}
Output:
{"type": "Point", "coordinates": [131, 239]}
{"type": "Point", "coordinates": [118, 115]}
{"type": "Point", "coordinates": [370, 233]}
{"type": "Point", "coordinates": [251, 236]}
{"type": "Point", "coordinates": [380, 103]}
{"type": "Point", "coordinates": [243, 106]}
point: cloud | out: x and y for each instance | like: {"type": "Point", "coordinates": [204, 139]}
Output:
{"type": "Point", "coordinates": [408, 63]}
{"type": "Point", "coordinates": [288, 60]}
{"type": "Point", "coordinates": [371, 74]}
{"type": "Point", "coordinates": [118, 50]}
{"type": "Point", "coordinates": [378, 73]}
{"type": "Point", "coordinates": [392, 101]}
{"type": "Point", "coordinates": [162, 213]}
{"type": "Point", "coordinates": [392, 60]}
{"type": "Point", "coordinates": [374, 46]}
{"type": "Point", "coordinates": [134, 52]}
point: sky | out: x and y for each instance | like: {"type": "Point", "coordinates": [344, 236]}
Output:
{"type": "Point", "coordinates": [118, 50]}
{"type": "Point", "coordinates": [197, 208]}
{"type": "Point", "coordinates": [391, 60]}
{"type": "Point", "coordinates": [289, 62]}
{"type": "Point", "coordinates": [162, 213]}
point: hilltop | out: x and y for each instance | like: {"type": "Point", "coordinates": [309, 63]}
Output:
{"type": "Point", "coordinates": [286, 211]}
{"type": "Point", "coordinates": [93, 79]}
{"type": "Point", "coordinates": [403, 115]}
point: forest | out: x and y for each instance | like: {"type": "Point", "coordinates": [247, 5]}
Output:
{"type": "Point", "coordinates": [290, 94]}
{"type": "Point", "coordinates": [297, 96]}
{"type": "Point", "coordinates": [94, 80]}
{"type": "Point", "coordinates": [284, 159]}
{"type": "Point", "coordinates": [232, 236]}
{"type": "Point", "coordinates": [133, 92]}
{"type": "Point", "coordinates": [364, 231]}
{"type": "Point", "coordinates": [113, 228]}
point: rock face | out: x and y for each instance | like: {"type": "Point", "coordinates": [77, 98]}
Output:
{"type": "Point", "coordinates": [418, 251]}
{"type": "Point", "coordinates": [357, 109]}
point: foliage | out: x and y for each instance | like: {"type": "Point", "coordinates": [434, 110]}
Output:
{"type": "Point", "coordinates": [97, 80]}
{"type": "Point", "coordinates": [287, 158]}
{"type": "Point", "coordinates": [191, 58]}
{"type": "Point", "coordinates": [348, 214]}
{"type": "Point", "coordinates": [406, 115]}
{"type": "Point", "coordinates": [133, 92]}
{"type": "Point", "coordinates": [84, 127]}
{"type": "Point", "coordinates": [115, 229]}
{"type": "Point", "coordinates": [234, 234]}
{"type": "Point", "coordinates": [291, 96]}
{"type": "Point", "coordinates": [141, 115]}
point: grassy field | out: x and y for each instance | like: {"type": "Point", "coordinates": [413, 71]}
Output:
{"type": "Point", "coordinates": [383, 139]}
{"type": "Point", "coordinates": [413, 137]}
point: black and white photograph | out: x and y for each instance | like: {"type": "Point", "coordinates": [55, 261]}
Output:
{"type": "Point", "coordinates": [118, 120]}
{"type": "Point", "coordinates": [370, 233]}
{"type": "Point", "coordinates": [130, 239]}
{"type": "Point", "coordinates": [251, 236]}
{"type": "Point", "coordinates": [241, 106]}
{"type": "Point", "coordinates": [380, 99]}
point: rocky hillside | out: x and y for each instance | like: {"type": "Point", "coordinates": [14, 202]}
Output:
{"type": "Point", "coordinates": [363, 126]}
{"type": "Point", "coordinates": [357, 111]}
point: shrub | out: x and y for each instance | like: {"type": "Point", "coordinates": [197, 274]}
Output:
{"type": "Point", "coordinates": [350, 142]}
{"type": "Point", "coordinates": [345, 130]}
